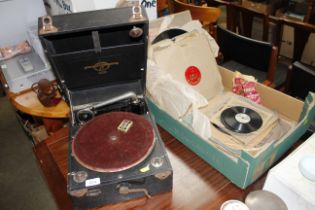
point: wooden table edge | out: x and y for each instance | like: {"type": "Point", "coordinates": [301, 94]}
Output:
{"type": "Point", "coordinates": [48, 112]}
{"type": "Point", "coordinates": [51, 172]}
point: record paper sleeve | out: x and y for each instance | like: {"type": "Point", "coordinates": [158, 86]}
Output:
{"type": "Point", "coordinates": [175, 57]}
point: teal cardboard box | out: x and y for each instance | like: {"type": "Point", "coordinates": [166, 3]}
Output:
{"type": "Point", "coordinates": [244, 168]}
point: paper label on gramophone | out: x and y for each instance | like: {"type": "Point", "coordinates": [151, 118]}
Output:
{"type": "Point", "coordinates": [92, 182]}
{"type": "Point", "coordinates": [145, 169]}
{"type": "Point", "coordinates": [125, 125]}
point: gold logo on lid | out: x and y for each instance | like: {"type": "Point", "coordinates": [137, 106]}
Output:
{"type": "Point", "coordinates": [101, 67]}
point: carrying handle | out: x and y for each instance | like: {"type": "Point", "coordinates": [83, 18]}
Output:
{"type": "Point", "coordinates": [125, 190]}
{"type": "Point", "coordinates": [47, 25]}
{"type": "Point", "coordinates": [136, 11]}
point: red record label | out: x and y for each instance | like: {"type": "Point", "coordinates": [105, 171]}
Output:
{"type": "Point", "coordinates": [192, 75]}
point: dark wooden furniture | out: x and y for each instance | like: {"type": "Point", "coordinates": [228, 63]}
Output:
{"type": "Point", "coordinates": [208, 16]}
{"type": "Point", "coordinates": [250, 57]}
{"type": "Point", "coordinates": [196, 184]}
{"type": "Point", "coordinates": [302, 31]}
{"type": "Point", "coordinates": [162, 7]}
{"type": "Point", "coordinates": [301, 80]}
{"type": "Point", "coordinates": [240, 14]}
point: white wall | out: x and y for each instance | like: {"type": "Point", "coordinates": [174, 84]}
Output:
{"type": "Point", "coordinates": [15, 17]}
{"type": "Point", "coordinates": [84, 5]}
{"type": "Point", "coordinates": [99, 4]}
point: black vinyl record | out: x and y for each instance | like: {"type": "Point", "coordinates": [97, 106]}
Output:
{"type": "Point", "coordinates": [241, 119]}
{"type": "Point", "coordinates": [168, 34]}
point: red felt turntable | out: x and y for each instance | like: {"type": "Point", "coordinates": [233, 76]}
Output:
{"type": "Point", "coordinates": [113, 142]}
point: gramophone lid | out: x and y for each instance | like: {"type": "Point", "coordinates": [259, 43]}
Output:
{"type": "Point", "coordinates": [98, 49]}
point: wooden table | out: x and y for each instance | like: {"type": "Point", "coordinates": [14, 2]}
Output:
{"type": "Point", "coordinates": [28, 102]}
{"type": "Point", "coordinates": [52, 117]}
{"type": "Point", "coordinates": [196, 184]}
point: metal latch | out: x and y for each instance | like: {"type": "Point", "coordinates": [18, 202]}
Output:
{"type": "Point", "coordinates": [124, 190]}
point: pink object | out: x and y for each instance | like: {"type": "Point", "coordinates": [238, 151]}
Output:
{"type": "Point", "coordinates": [11, 51]}
{"type": "Point", "coordinates": [237, 86]}
{"type": "Point", "coordinates": [250, 91]}
{"type": "Point", "coordinates": [246, 86]}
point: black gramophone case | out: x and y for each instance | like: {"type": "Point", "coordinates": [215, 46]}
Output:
{"type": "Point", "coordinates": [103, 48]}
{"type": "Point", "coordinates": [99, 58]}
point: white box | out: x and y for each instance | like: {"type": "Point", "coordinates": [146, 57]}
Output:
{"type": "Point", "coordinates": [18, 79]}
{"type": "Point", "coordinates": [286, 180]}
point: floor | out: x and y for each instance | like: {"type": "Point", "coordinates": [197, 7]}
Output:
{"type": "Point", "coordinates": [22, 186]}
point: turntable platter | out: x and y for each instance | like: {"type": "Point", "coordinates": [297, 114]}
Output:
{"type": "Point", "coordinates": [113, 142]}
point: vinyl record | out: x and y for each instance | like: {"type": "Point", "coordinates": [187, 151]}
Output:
{"type": "Point", "coordinates": [241, 119]}
{"type": "Point", "coordinates": [168, 34]}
